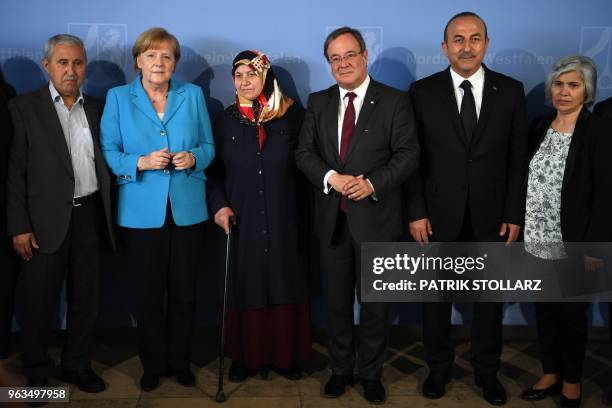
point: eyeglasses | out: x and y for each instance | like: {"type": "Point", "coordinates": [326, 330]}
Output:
{"type": "Point", "coordinates": [348, 57]}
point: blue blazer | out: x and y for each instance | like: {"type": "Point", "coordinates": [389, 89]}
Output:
{"type": "Point", "coordinates": [130, 128]}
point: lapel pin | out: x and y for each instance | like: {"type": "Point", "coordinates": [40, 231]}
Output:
{"type": "Point", "coordinates": [371, 102]}
{"type": "Point", "coordinates": [494, 88]}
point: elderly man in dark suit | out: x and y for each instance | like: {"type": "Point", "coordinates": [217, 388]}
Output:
{"type": "Point", "coordinates": [59, 212]}
{"type": "Point", "coordinates": [472, 128]}
{"type": "Point", "coordinates": [357, 146]}
{"type": "Point", "coordinates": [604, 109]}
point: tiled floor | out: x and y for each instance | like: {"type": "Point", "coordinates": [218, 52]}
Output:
{"type": "Point", "coordinates": [116, 360]}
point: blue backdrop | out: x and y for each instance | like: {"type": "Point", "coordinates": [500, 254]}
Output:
{"type": "Point", "coordinates": [403, 39]}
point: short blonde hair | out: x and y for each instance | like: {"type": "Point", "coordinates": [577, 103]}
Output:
{"type": "Point", "coordinates": [151, 38]}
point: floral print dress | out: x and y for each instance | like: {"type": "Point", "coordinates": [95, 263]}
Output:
{"type": "Point", "coordinates": [543, 237]}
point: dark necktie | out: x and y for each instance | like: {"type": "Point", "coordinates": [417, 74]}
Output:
{"type": "Point", "coordinates": [348, 125]}
{"type": "Point", "coordinates": [468, 109]}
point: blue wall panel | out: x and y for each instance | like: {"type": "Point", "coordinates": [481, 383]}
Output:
{"type": "Point", "coordinates": [403, 39]}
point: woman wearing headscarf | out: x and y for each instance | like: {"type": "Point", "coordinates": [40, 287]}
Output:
{"type": "Point", "coordinates": [569, 197]}
{"type": "Point", "coordinates": [254, 178]}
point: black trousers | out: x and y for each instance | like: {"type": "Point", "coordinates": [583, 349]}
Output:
{"type": "Point", "coordinates": [165, 261]}
{"type": "Point", "coordinates": [486, 338]}
{"type": "Point", "coordinates": [77, 261]}
{"type": "Point", "coordinates": [563, 334]}
{"type": "Point", "coordinates": [341, 263]}
{"type": "Point", "coordinates": [9, 271]}
{"type": "Point", "coordinates": [486, 333]}
{"type": "Point", "coordinates": [610, 320]}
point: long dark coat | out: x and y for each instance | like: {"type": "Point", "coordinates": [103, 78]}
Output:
{"type": "Point", "coordinates": [265, 191]}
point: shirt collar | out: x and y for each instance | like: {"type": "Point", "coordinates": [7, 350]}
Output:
{"type": "Point", "coordinates": [360, 91]}
{"type": "Point", "coordinates": [57, 97]}
{"type": "Point", "coordinates": [477, 78]}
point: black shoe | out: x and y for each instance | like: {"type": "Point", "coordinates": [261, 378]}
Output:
{"type": "Point", "coordinates": [492, 390]}
{"type": "Point", "coordinates": [531, 394]}
{"type": "Point", "coordinates": [149, 382]}
{"type": "Point", "coordinates": [373, 391]}
{"type": "Point", "coordinates": [434, 386]}
{"type": "Point", "coordinates": [292, 373]}
{"type": "Point", "coordinates": [37, 382]}
{"type": "Point", "coordinates": [609, 398]}
{"type": "Point", "coordinates": [86, 381]}
{"type": "Point", "coordinates": [570, 402]}
{"type": "Point", "coordinates": [238, 372]}
{"type": "Point", "coordinates": [186, 378]}
{"type": "Point", "coordinates": [264, 372]}
{"type": "Point", "coordinates": [336, 384]}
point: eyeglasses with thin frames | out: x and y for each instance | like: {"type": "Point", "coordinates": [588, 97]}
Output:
{"type": "Point", "coordinates": [348, 57]}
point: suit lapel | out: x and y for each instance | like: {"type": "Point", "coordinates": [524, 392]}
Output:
{"type": "Point", "coordinates": [449, 101]}
{"type": "Point", "coordinates": [93, 117]}
{"type": "Point", "coordinates": [55, 131]}
{"type": "Point", "coordinates": [142, 101]}
{"type": "Point", "coordinates": [370, 102]}
{"type": "Point", "coordinates": [331, 118]}
{"type": "Point", "coordinates": [489, 97]}
{"type": "Point", "coordinates": [175, 100]}
{"type": "Point", "coordinates": [575, 145]}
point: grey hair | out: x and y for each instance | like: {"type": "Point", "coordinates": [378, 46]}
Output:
{"type": "Point", "coordinates": [60, 39]}
{"type": "Point", "coordinates": [584, 66]}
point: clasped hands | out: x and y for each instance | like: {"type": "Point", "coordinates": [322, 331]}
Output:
{"type": "Point", "coordinates": [355, 188]}
{"type": "Point", "coordinates": [159, 159]}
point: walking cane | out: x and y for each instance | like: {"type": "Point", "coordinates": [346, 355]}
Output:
{"type": "Point", "coordinates": [220, 397]}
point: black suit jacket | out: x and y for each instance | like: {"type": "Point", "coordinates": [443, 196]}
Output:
{"type": "Point", "coordinates": [604, 109]}
{"type": "Point", "coordinates": [586, 191]}
{"type": "Point", "coordinates": [41, 178]}
{"type": "Point", "coordinates": [485, 174]}
{"type": "Point", "coordinates": [6, 134]}
{"type": "Point", "coordinates": [384, 148]}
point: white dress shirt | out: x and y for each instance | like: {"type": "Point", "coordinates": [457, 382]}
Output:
{"type": "Point", "coordinates": [360, 93]}
{"type": "Point", "coordinates": [79, 141]}
{"type": "Point", "coordinates": [477, 81]}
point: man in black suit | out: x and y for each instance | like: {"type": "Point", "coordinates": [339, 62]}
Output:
{"type": "Point", "coordinates": [472, 129]}
{"type": "Point", "coordinates": [9, 261]}
{"type": "Point", "coordinates": [59, 212]}
{"type": "Point", "coordinates": [604, 109]}
{"type": "Point", "coordinates": [357, 146]}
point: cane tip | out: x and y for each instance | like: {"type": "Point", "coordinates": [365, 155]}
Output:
{"type": "Point", "coordinates": [220, 397]}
